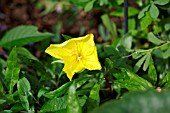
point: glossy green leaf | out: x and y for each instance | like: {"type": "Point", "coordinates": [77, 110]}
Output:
{"type": "Point", "coordinates": [138, 102]}
{"type": "Point", "coordinates": [142, 12]}
{"type": "Point", "coordinates": [12, 71]}
{"type": "Point", "coordinates": [146, 64]}
{"type": "Point", "coordinates": [55, 104]}
{"type": "Point", "coordinates": [89, 5]}
{"type": "Point", "coordinates": [23, 35]}
{"type": "Point", "coordinates": [94, 98]}
{"type": "Point", "coordinates": [139, 63]}
{"type": "Point", "coordinates": [161, 2]}
{"type": "Point", "coordinates": [59, 91]}
{"type": "Point", "coordinates": [152, 75]}
{"type": "Point", "coordinates": [154, 12]}
{"type": "Point", "coordinates": [146, 21]}
{"type": "Point", "coordinates": [129, 80]}
{"type": "Point", "coordinates": [152, 38]}
{"type": "Point", "coordinates": [24, 88]}
{"type": "Point", "coordinates": [41, 92]}
{"type": "Point", "coordinates": [73, 105]}
{"type": "Point", "coordinates": [165, 82]}
{"type": "Point", "coordinates": [82, 80]}
{"type": "Point", "coordinates": [59, 105]}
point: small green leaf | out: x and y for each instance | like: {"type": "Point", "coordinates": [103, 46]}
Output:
{"type": "Point", "coordinates": [106, 21]}
{"type": "Point", "coordinates": [152, 72]}
{"type": "Point", "coordinates": [166, 54]}
{"type": "Point", "coordinates": [41, 92]}
{"type": "Point", "coordinates": [152, 38]}
{"type": "Point", "coordinates": [94, 98]}
{"type": "Point", "coordinates": [161, 2]}
{"type": "Point", "coordinates": [23, 35]}
{"type": "Point", "coordinates": [139, 63]}
{"type": "Point", "coordinates": [59, 91]}
{"type": "Point", "coordinates": [142, 12]}
{"type": "Point", "coordinates": [73, 105]}
{"type": "Point", "coordinates": [146, 64]}
{"type": "Point", "coordinates": [167, 26]}
{"type": "Point", "coordinates": [24, 88]}
{"type": "Point", "coordinates": [165, 82]}
{"type": "Point", "coordinates": [12, 71]}
{"type": "Point", "coordinates": [89, 5]}
{"type": "Point", "coordinates": [66, 37]}
{"type": "Point", "coordinates": [146, 21]}
{"type": "Point", "coordinates": [154, 12]}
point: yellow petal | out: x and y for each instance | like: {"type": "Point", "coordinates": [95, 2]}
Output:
{"type": "Point", "coordinates": [72, 66]}
{"type": "Point", "coordinates": [91, 61]}
{"type": "Point", "coordinates": [62, 50]}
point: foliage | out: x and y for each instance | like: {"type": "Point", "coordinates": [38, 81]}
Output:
{"type": "Point", "coordinates": [135, 74]}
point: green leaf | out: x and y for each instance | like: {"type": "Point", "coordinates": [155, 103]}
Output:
{"type": "Point", "coordinates": [94, 98]}
{"type": "Point", "coordinates": [120, 12]}
{"type": "Point", "coordinates": [131, 24]}
{"type": "Point", "coordinates": [139, 63]}
{"type": "Point", "coordinates": [161, 2]}
{"type": "Point", "coordinates": [59, 91]}
{"type": "Point", "coordinates": [66, 37]}
{"type": "Point", "coordinates": [138, 102]}
{"type": "Point", "coordinates": [72, 102]}
{"type": "Point", "coordinates": [167, 26]}
{"type": "Point", "coordinates": [41, 92]}
{"type": "Point", "coordinates": [165, 82]}
{"type": "Point", "coordinates": [152, 72]}
{"type": "Point", "coordinates": [24, 88]}
{"type": "Point", "coordinates": [109, 50]}
{"type": "Point", "coordinates": [89, 6]}
{"type": "Point", "coordinates": [2, 101]}
{"type": "Point", "coordinates": [59, 105]}
{"type": "Point", "coordinates": [129, 80]}
{"type": "Point", "coordinates": [146, 64]}
{"type": "Point", "coordinates": [12, 71]}
{"type": "Point", "coordinates": [106, 21]}
{"type": "Point", "coordinates": [146, 21]}
{"type": "Point", "coordinates": [104, 2]}
{"type": "Point", "coordinates": [23, 52]}
{"type": "Point", "coordinates": [166, 54]}
{"type": "Point", "coordinates": [152, 38]}
{"type": "Point", "coordinates": [23, 35]}
{"type": "Point", "coordinates": [142, 12]}
{"type": "Point", "coordinates": [55, 104]}
{"type": "Point", "coordinates": [154, 12]}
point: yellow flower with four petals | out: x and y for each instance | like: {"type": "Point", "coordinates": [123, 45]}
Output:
{"type": "Point", "coordinates": [77, 53]}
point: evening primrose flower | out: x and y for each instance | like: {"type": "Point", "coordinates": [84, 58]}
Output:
{"type": "Point", "coordinates": [77, 53]}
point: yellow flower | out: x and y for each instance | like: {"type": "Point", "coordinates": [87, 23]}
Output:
{"type": "Point", "coordinates": [77, 53]}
